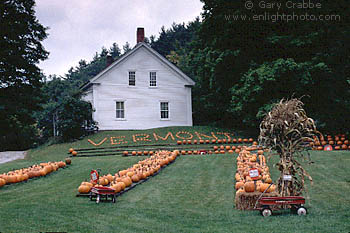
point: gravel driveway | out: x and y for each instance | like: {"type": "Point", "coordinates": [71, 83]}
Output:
{"type": "Point", "coordinates": [8, 156]}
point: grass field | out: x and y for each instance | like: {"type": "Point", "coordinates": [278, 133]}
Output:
{"type": "Point", "coordinates": [194, 194]}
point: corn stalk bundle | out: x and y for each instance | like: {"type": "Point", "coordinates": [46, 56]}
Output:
{"type": "Point", "coordinates": [287, 130]}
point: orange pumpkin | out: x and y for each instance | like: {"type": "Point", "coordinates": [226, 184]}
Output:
{"type": "Point", "coordinates": [2, 182]}
{"type": "Point", "coordinates": [239, 185]}
{"type": "Point", "coordinates": [84, 189]}
{"type": "Point", "coordinates": [249, 187]}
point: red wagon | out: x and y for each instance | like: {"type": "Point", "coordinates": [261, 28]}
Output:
{"type": "Point", "coordinates": [102, 192]}
{"type": "Point", "coordinates": [295, 203]}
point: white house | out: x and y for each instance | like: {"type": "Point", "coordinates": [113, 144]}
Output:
{"type": "Point", "coordinates": [140, 90]}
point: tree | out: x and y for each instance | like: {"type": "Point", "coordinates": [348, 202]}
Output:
{"type": "Point", "coordinates": [259, 61]}
{"type": "Point", "coordinates": [126, 47]}
{"type": "Point", "coordinates": [20, 78]}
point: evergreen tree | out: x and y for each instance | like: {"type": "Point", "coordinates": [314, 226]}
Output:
{"type": "Point", "coordinates": [20, 78]}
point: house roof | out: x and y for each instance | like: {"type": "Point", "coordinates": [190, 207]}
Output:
{"type": "Point", "coordinates": [189, 81]}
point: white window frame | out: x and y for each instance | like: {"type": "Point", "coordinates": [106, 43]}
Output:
{"type": "Point", "coordinates": [130, 78]}
{"type": "Point", "coordinates": [122, 110]}
{"type": "Point", "coordinates": [164, 110]}
{"type": "Point", "coordinates": [152, 79]}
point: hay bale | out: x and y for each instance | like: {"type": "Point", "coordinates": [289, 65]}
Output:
{"type": "Point", "coordinates": [246, 201]}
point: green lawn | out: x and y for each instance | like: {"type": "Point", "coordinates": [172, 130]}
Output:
{"type": "Point", "coordinates": [194, 194]}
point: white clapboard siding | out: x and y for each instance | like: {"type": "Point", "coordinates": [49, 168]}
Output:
{"type": "Point", "coordinates": [142, 103]}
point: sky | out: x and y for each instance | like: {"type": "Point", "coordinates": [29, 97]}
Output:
{"type": "Point", "coordinates": [80, 28]}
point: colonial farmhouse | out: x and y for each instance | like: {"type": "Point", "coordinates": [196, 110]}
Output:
{"type": "Point", "coordinates": [140, 90]}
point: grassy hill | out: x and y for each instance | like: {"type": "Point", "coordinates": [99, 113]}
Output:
{"type": "Point", "coordinates": [194, 194]}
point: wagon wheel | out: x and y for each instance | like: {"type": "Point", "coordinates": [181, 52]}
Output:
{"type": "Point", "coordinates": [266, 211]}
{"type": "Point", "coordinates": [98, 198]}
{"type": "Point", "coordinates": [301, 211]}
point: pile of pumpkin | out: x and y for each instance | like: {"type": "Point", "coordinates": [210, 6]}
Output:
{"type": "Point", "coordinates": [36, 170]}
{"type": "Point", "coordinates": [338, 142]}
{"type": "Point", "coordinates": [247, 160]}
{"type": "Point", "coordinates": [140, 171]}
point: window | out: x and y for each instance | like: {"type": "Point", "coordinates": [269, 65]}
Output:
{"type": "Point", "coordinates": [132, 78]}
{"type": "Point", "coordinates": [120, 112]}
{"type": "Point", "coordinates": [152, 79]}
{"type": "Point", "coordinates": [164, 110]}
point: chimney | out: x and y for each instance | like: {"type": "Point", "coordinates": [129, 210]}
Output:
{"type": "Point", "coordinates": [109, 60]}
{"type": "Point", "coordinates": [140, 35]}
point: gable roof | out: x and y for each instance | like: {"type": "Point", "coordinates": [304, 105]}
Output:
{"type": "Point", "coordinates": [189, 81]}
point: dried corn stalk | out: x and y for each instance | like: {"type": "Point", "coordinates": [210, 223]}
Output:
{"type": "Point", "coordinates": [287, 130]}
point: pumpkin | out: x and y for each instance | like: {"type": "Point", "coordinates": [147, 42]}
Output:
{"type": "Point", "coordinates": [222, 147]}
{"type": "Point", "coordinates": [230, 151]}
{"type": "Point", "coordinates": [222, 151]}
{"type": "Point", "coordinates": [150, 152]}
{"type": "Point", "coordinates": [216, 147]}
{"type": "Point", "coordinates": [189, 152]}
{"type": "Point", "coordinates": [2, 182]}
{"type": "Point", "coordinates": [183, 152]}
{"type": "Point", "coordinates": [233, 147]}
{"type": "Point", "coordinates": [71, 150]}
{"type": "Point", "coordinates": [213, 141]}
{"type": "Point", "coordinates": [237, 150]}
{"type": "Point", "coordinates": [125, 153]}
{"type": "Point", "coordinates": [103, 181]}
{"type": "Point", "coordinates": [84, 189]}
{"type": "Point", "coordinates": [201, 141]}
{"type": "Point", "coordinates": [207, 141]}
{"type": "Point", "coordinates": [179, 142]}
{"type": "Point", "coordinates": [234, 140]}
{"type": "Point", "coordinates": [245, 140]}
{"type": "Point", "coordinates": [133, 153]}
{"type": "Point", "coordinates": [227, 147]}
{"type": "Point", "coordinates": [127, 181]}
{"type": "Point", "coordinates": [344, 147]}
{"type": "Point", "coordinates": [239, 185]}
{"type": "Point", "coordinates": [219, 141]}
{"type": "Point", "coordinates": [184, 142]}
{"type": "Point", "coordinates": [109, 177]}
{"type": "Point", "coordinates": [268, 180]}
{"type": "Point", "coordinates": [139, 153]}
{"type": "Point", "coordinates": [249, 187]}
{"type": "Point", "coordinates": [135, 178]}
{"type": "Point", "coordinates": [130, 174]}
{"type": "Point", "coordinates": [122, 184]}
{"type": "Point", "coordinates": [189, 142]}
{"type": "Point", "coordinates": [337, 148]}
{"type": "Point", "coordinates": [195, 141]}
{"type": "Point", "coordinates": [74, 153]}
{"type": "Point", "coordinates": [224, 140]}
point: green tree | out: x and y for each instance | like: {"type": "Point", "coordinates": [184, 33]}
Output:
{"type": "Point", "coordinates": [20, 78]}
{"type": "Point", "coordinates": [258, 62]}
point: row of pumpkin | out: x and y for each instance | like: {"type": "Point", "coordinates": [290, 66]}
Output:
{"type": "Point", "coordinates": [216, 141]}
{"type": "Point", "coordinates": [338, 142]}
{"type": "Point", "coordinates": [124, 178]}
{"type": "Point", "coordinates": [246, 161]}
{"type": "Point", "coordinates": [36, 170]}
